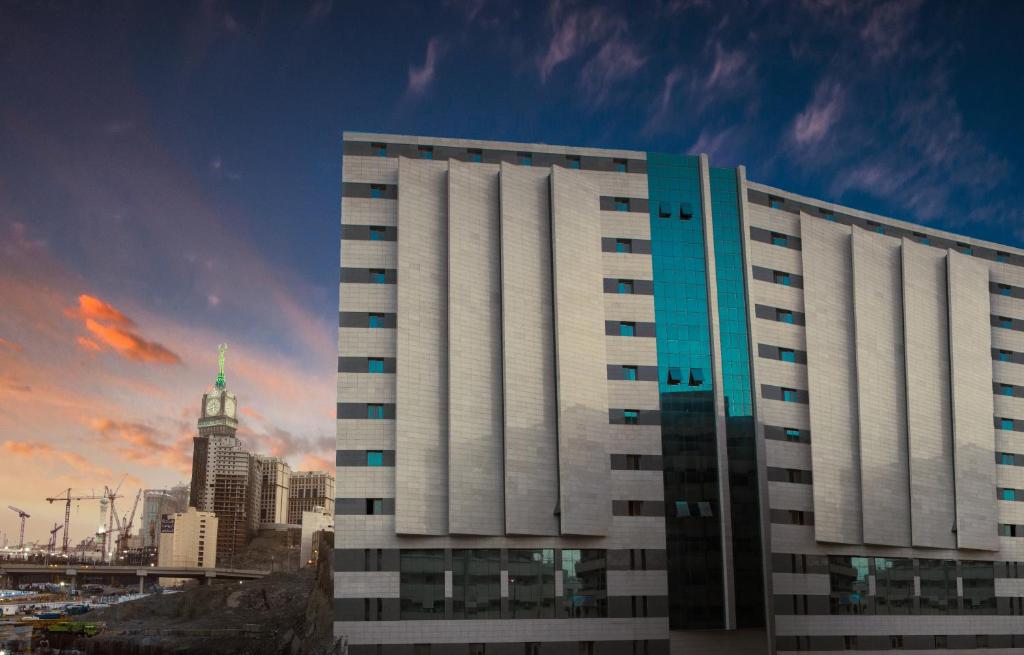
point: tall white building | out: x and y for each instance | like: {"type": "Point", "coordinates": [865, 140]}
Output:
{"type": "Point", "coordinates": [276, 481]}
{"type": "Point", "coordinates": [188, 539]}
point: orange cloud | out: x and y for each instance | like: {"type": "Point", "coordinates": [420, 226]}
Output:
{"type": "Point", "coordinates": [40, 451]}
{"type": "Point", "coordinates": [108, 325]}
{"type": "Point", "coordinates": [144, 445]}
{"type": "Point", "coordinates": [316, 463]}
{"type": "Point", "coordinates": [87, 344]}
{"type": "Point", "coordinates": [10, 345]}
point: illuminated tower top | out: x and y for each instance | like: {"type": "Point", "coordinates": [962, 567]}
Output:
{"type": "Point", "coordinates": [221, 349]}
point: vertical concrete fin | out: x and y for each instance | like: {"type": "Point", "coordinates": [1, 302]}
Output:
{"type": "Point", "coordinates": [929, 422]}
{"type": "Point", "coordinates": [421, 368]}
{"type": "Point", "coordinates": [881, 389]}
{"type": "Point", "coordinates": [528, 352]}
{"type": "Point", "coordinates": [583, 465]}
{"type": "Point", "coordinates": [970, 343]}
{"type": "Point", "coordinates": [832, 381]}
{"type": "Point", "coordinates": [476, 496]}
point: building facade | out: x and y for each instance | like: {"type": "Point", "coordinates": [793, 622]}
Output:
{"type": "Point", "coordinates": [156, 503]}
{"type": "Point", "coordinates": [226, 478]}
{"type": "Point", "coordinates": [275, 482]}
{"type": "Point", "coordinates": [188, 538]}
{"type": "Point", "coordinates": [605, 401]}
{"type": "Point", "coordinates": [308, 490]}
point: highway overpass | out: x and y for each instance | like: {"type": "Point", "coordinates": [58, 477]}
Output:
{"type": "Point", "coordinates": [15, 573]}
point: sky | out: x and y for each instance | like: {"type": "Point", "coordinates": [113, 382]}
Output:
{"type": "Point", "coordinates": [170, 176]}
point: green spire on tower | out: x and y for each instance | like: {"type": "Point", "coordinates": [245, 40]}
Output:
{"type": "Point", "coordinates": [220, 384]}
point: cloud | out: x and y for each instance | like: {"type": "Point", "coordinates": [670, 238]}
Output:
{"type": "Point", "coordinates": [617, 60]}
{"type": "Point", "coordinates": [109, 326]}
{"type": "Point", "coordinates": [576, 30]}
{"type": "Point", "coordinates": [728, 70]}
{"type": "Point", "coordinates": [319, 9]}
{"type": "Point", "coordinates": [316, 463]}
{"type": "Point", "coordinates": [421, 77]}
{"type": "Point", "coordinates": [36, 451]}
{"type": "Point", "coordinates": [142, 444]}
{"type": "Point", "coordinates": [661, 115]}
{"type": "Point", "coordinates": [813, 123]}
{"type": "Point", "coordinates": [888, 26]}
{"type": "Point", "coordinates": [10, 345]}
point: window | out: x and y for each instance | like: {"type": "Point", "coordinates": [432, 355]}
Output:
{"type": "Point", "coordinates": [779, 239]}
{"type": "Point", "coordinates": [378, 276]}
{"type": "Point", "coordinates": [1005, 322]}
{"type": "Point", "coordinates": [421, 584]}
{"type": "Point", "coordinates": [375, 411]}
{"type": "Point", "coordinates": [475, 155]}
{"type": "Point", "coordinates": [790, 396]}
{"type": "Point", "coordinates": [531, 583]}
{"type": "Point", "coordinates": [620, 165]}
{"type": "Point", "coordinates": [377, 190]}
{"type": "Point", "coordinates": [476, 584]}
{"type": "Point", "coordinates": [375, 365]}
{"type": "Point", "coordinates": [624, 245]}
{"type": "Point", "coordinates": [783, 315]}
{"type": "Point", "coordinates": [1005, 356]}
{"type": "Point", "coordinates": [635, 508]}
{"type": "Point", "coordinates": [922, 238]}
{"type": "Point", "coordinates": [792, 434]}
{"type": "Point", "coordinates": [787, 355]}
{"type": "Point", "coordinates": [374, 506]}
{"type": "Point", "coordinates": [1002, 257]}
{"type": "Point", "coordinates": [965, 248]}
{"type": "Point", "coordinates": [376, 320]}
{"type": "Point", "coordinates": [1004, 289]}
{"type": "Point", "coordinates": [629, 373]}
{"type": "Point", "coordinates": [379, 149]}
{"type": "Point", "coordinates": [627, 329]}
{"type": "Point", "coordinates": [782, 278]}
{"type": "Point", "coordinates": [622, 204]}
{"type": "Point", "coordinates": [377, 233]}
{"type": "Point", "coordinates": [696, 377]}
{"type": "Point", "coordinates": [664, 209]}
{"type": "Point", "coordinates": [375, 458]}
{"type": "Point", "coordinates": [1006, 389]}
{"type": "Point", "coordinates": [774, 203]}
{"type": "Point", "coordinates": [682, 509]}
{"type": "Point", "coordinates": [685, 211]}
{"type": "Point", "coordinates": [1007, 494]}
{"type": "Point", "coordinates": [630, 416]}
{"type": "Point", "coordinates": [1006, 424]}
{"type": "Point", "coordinates": [632, 462]}
{"type": "Point", "coordinates": [573, 161]}
{"type": "Point", "coordinates": [1007, 530]}
{"type": "Point", "coordinates": [675, 377]}
{"type": "Point", "coordinates": [828, 215]}
{"type": "Point", "coordinates": [525, 159]}
{"type": "Point", "coordinates": [1005, 458]}
{"type": "Point", "coordinates": [625, 286]}
{"type": "Point", "coordinates": [426, 152]}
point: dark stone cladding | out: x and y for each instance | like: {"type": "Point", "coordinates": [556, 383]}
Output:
{"type": "Point", "coordinates": [369, 232]}
{"type": "Point", "coordinates": [621, 462]}
{"type": "Point", "coordinates": [366, 190]}
{"type": "Point", "coordinates": [766, 351]}
{"type": "Point", "coordinates": [361, 364]}
{"type": "Point", "coordinates": [772, 392]}
{"type": "Point", "coordinates": [765, 236]}
{"type": "Point", "coordinates": [770, 313]}
{"type": "Point", "coordinates": [640, 328]}
{"type": "Point", "coordinates": [365, 275]}
{"type": "Point", "coordinates": [644, 417]}
{"type": "Point", "coordinates": [358, 457]}
{"type": "Point", "coordinates": [362, 319]}
{"type": "Point", "coordinates": [640, 287]}
{"type": "Point", "coordinates": [641, 507]}
{"type": "Point", "coordinates": [643, 373]}
{"type": "Point", "coordinates": [357, 506]}
{"type": "Point", "coordinates": [768, 275]}
{"type": "Point", "coordinates": [778, 433]}
{"type": "Point", "coordinates": [636, 246]}
{"type": "Point", "coordinates": [358, 410]}
{"type": "Point", "coordinates": [492, 155]}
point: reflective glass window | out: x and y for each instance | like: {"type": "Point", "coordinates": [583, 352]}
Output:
{"type": "Point", "coordinates": [375, 411]}
{"type": "Point", "coordinates": [476, 584]}
{"type": "Point", "coordinates": [784, 315]}
{"type": "Point", "coordinates": [894, 585]}
{"type": "Point", "coordinates": [531, 583]}
{"type": "Point", "coordinates": [629, 372]}
{"type": "Point", "coordinates": [421, 584]}
{"type": "Point", "coordinates": [938, 586]}
{"type": "Point", "coordinates": [848, 578]}
{"type": "Point", "coordinates": [375, 365]}
{"type": "Point", "coordinates": [374, 458]}
{"type": "Point", "coordinates": [630, 416]}
{"type": "Point", "coordinates": [584, 584]}
{"type": "Point", "coordinates": [376, 320]}
{"type": "Point", "coordinates": [625, 286]}
{"type": "Point", "coordinates": [787, 355]}
{"type": "Point", "coordinates": [627, 329]}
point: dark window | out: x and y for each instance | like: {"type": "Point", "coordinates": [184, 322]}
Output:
{"type": "Point", "coordinates": [624, 245]}
{"type": "Point", "coordinates": [632, 462]}
{"type": "Point", "coordinates": [784, 315]}
{"type": "Point", "coordinates": [426, 152]}
{"type": "Point", "coordinates": [792, 434]}
{"type": "Point", "coordinates": [629, 373]}
{"type": "Point", "coordinates": [620, 165]}
{"type": "Point", "coordinates": [584, 584]}
{"type": "Point", "coordinates": [377, 190]}
{"type": "Point", "coordinates": [781, 277]}
{"type": "Point", "coordinates": [376, 320]}
{"type": "Point", "coordinates": [779, 239]}
{"type": "Point", "coordinates": [1004, 289]}
{"type": "Point", "coordinates": [476, 584]}
{"type": "Point", "coordinates": [377, 233]}
{"type": "Point", "coordinates": [787, 355]}
{"type": "Point", "coordinates": [625, 286]}
{"type": "Point", "coordinates": [630, 416]}
{"type": "Point", "coordinates": [573, 161]}
{"type": "Point", "coordinates": [979, 587]}
{"type": "Point", "coordinates": [531, 583]}
{"type": "Point", "coordinates": [375, 411]}
{"type": "Point", "coordinates": [622, 204]}
{"type": "Point", "coordinates": [1002, 257]}
{"type": "Point", "coordinates": [1005, 356]}
{"type": "Point", "coordinates": [379, 149]}
{"type": "Point", "coordinates": [775, 203]}
{"type": "Point", "coordinates": [421, 584]}
{"type": "Point", "coordinates": [675, 376]}
{"type": "Point", "coordinates": [635, 508]}
{"type": "Point", "coordinates": [696, 377]}
{"type": "Point", "coordinates": [790, 396]}
{"type": "Point", "coordinates": [374, 506]}
{"type": "Point", "coordinates": [525, 159]}
{"type": "Point", "coordinates": [848, 578]}
{"type": "Point", "coordinates": [664, 209]}
{"type": "Point", "coordinates": [378, 276]}
{"type": "Point", "coordinates": [627, 329]}
{"type": "Point", "coordinates": [374, 365]}
{"type": "Point", "coordinates": [475, 155]}
{"type": "Point", "coordinates": [938, 586]}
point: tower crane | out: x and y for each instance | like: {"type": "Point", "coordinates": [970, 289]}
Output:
{"type": "Point", "coordinates": [57, 527]}
{"type": "Point", "coordinates": [67, 498]}
{"type": "Point", "coordinates": [22, 514]}
{"type": "Point", "coordinates": [124, 526]}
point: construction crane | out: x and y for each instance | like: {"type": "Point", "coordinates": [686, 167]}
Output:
{"type": "Point", "coordinates": [57, 527]}
{"type": "Point", "coordinates": [67, 498]}
{"type": "Point", "coordinates": [22, 514]}
{"type": "Point", "coordinates": [124, 527]}
{"type": "Point", "coordinates": [111, 495]}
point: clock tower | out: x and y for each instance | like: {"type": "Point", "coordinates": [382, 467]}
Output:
{"type": "Point", "coordinates": [217, 416]}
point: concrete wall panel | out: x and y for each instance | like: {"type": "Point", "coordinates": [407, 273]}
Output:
{"type": "Point", "coordinates": [476, 491]}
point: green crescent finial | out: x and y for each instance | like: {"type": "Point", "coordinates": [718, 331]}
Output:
{"type": "Point", "coordinates": [220, 365]}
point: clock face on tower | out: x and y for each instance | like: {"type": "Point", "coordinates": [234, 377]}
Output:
{"type": "Point", "coordinates": [212, 406]}
{"type": "Point", "coordinates": [229, 406]}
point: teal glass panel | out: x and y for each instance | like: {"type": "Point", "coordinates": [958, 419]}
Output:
{"type": "Point", "coordinates": [1006, 389]}
{"type": "Point", "coordinates": [627, 329]}
{"type": "Point", "coordinates": [1006, 424]}
{"type": "Point", "coordinates": [787, 355]}
{"type": "Point", "coordinates": [1005, 458]}
{"type": "Point", "coordinates": [375, 411]}
{"type": "Point", "coordinates": [1007, 494]}
{"type": "Point", "coordinates": [630, 416]}
{"type": "Point", "coordinates": [784, 315]}
{"type": "Point", "coordinates": [689, 447]}
{"type": "Point", "coordinates": [374, 458]}
{"type": "Point", "coordinates": [789, 395]}
{"type": "Point", "coordinates": [792, 434]}
{"type": "Point", "coordinates": [375, 366]}
{"type": "Point", "coordinates": [625, 286]}
{"type": "Point", "coordinates": [777, 239]}
{"type": "Point", "coordinates": [1005, 356]}
{"type": "Point", "coordinates": [376, 321]}
{"type": "Point", "coordinates": [629, 373]}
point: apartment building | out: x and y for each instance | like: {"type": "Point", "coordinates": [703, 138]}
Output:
{"type": "Point", "coordinates": [307, 491]}
{"type": "Point", "coordinates": [274, 489]}
{"type": "Point", "coordinates": [188, 539]}
{"type": "Point", "coordinates": [606, 401]}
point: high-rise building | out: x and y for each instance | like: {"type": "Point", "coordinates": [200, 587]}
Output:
{"type": "Point", "coordinates": [609, 401]}
{"type": "Point", "coordinates": [276, 480]}
{"type": "Point", "coordinates": [226, 479]}
{"type": "Point", "coordinates": [308, 490]}
{"type": "Point", "coordinates": [188, 538]}
{"type": "Point", "coordinates": [156, 503]}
